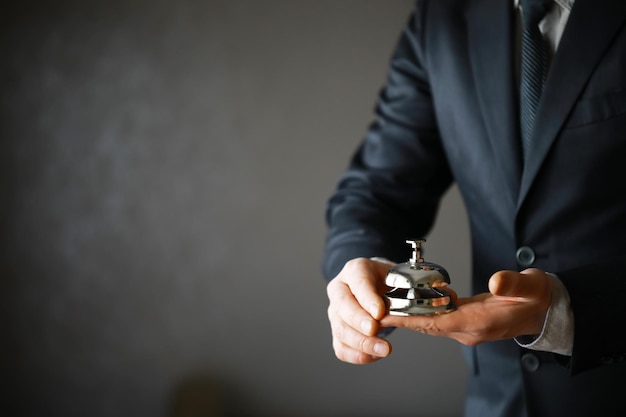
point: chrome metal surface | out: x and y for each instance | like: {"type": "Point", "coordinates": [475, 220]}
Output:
{"type": "Point", "coordinates": [418, 286]}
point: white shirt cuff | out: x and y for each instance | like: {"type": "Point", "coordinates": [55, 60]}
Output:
{"type": "Point", "coordinates": [557, 335]}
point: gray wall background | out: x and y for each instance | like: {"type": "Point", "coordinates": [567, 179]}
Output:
{"type": "Point", "coordinates": [164, 171]}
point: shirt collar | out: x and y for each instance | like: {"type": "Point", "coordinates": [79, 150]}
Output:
{"type": "Point", "coordinates": [566, 4]}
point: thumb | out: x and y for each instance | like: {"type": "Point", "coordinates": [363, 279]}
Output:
{"type": "Point", "coordinates": [529, 283]}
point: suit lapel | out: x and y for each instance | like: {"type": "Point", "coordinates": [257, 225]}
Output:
{"type": "Point", "coordinates": [490, 33]}
{"type": "Point", "coordinates": [591, 27]}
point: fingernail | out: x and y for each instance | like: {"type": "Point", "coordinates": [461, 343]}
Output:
{"type": "Point", "coordinates": [381, 349]}
{"type": "Point", "coordinates": [374, 310]}
{"type": "Point", "coordinates": [366, 326]}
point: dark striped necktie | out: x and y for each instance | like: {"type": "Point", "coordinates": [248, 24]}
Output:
{"type": "Point", "coordinates": [534, 65]}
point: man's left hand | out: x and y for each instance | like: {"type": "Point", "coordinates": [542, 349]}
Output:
{"type": "Point", "coordinates": [516, 305]}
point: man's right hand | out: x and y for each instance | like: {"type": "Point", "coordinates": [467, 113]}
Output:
{"type": "Point", "coordinates": [356, 304]}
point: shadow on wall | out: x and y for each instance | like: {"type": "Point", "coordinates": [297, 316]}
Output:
{"type": "Point", "coordinates": [199, 397]}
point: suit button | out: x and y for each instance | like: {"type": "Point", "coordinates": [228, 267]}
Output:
{"type": "Point", "coordinates": [525, 256]}
{"type": "Point", "coordinates": [530, 362]}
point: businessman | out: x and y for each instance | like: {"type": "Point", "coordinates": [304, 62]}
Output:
{"type": "Point", "coordinates": [522, 104]}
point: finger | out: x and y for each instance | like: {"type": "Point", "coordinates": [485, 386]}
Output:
{"type": "Point", "coordinates": [453, 295]}
{"type": "Point", "coordinates": [346, 354]}
{"type": "Point", "coordinates": [530, 283]}
{"type": "Point", "coordinates": [417, 323]}
{"type": "Point", "coordinates": [365, 279]}
{"type": "Point", "coordinates": [345, 309]}
{"type": "Point", "coordinates": [351, 345]}
{"type": "Point", "coordinates": [355, 297]}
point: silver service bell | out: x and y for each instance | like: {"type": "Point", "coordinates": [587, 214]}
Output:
{"type": "Point", "coordinates": [418, 286]}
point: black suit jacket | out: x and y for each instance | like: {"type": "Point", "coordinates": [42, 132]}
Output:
{"type": "Point", "coordinates": [449, 112]}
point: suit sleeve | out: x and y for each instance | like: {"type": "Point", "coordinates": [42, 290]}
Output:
{"type": "Point", "coordinates": [599, 339]}
{"type": "Point", "coordinates": [396, 178]}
